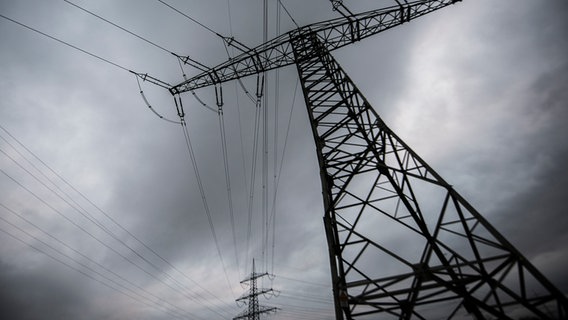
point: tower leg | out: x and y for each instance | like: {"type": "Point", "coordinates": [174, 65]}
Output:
{"type": "Point", "coordinates": [403, 243]}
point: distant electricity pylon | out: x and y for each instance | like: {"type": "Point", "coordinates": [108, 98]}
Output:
{"type": "Point", "coordinates": [403, 244]}
{"type": "Point", "coordinates": [254, 309]}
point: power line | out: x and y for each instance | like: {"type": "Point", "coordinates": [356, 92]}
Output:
{"type": "Point", "coordinates": [257, 120]}
{"type": "Point", "coordinates": [20, 216]}
{"type": "Point", "coordinates": [305, 282]}
{"type": "Point", "coordinates": [181, 288]}
{"type": "Point", "coordinates": [228, 179]}
{"type": "Point", "coordinates": [66, 182]}
{"type": "Point", "coordinates": [264, 228]}
{"type": "Point", "coordinates": [77, 262]}
{"type": "Point", "coordinates": [310, 298]}
{"type": "Point", "coordinates": [275, 156]}
{"type": "Point", "coordinates": [226, 41]}
{"type": "Point", "coordinates": [90, 234]}
{"type": "Point", "coordinates": [104, 60]}
{"type": "Point", "coordinates": [288, 13]}
{"type": "Point", "coordinates": [277, 183]}
{"type": "Point", "coordinates": [192, 19]}
{"type": "Point", "coordinates": [201, 102]}
{"type": "Point", "coordinates": [186, 60]}
{"type": "Point", "coordinates": [183, 123]}
{"type": "Point", "coordinates": [240, 127]}
{"type": "Point", "coordinates": [116, 25]}
{"type": "Point", "coordinates": [150, 106]}
{"type": "Point", "coordinates": [66, 43]}
{"type": "Point", "coordinates": [202, 191]}
{"type": "Point", "coordinates": [145, 76]}
{"type": "Point", "coordinates": [99, 224]}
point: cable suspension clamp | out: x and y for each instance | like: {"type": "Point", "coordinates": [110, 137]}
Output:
{"type": "Point", "coordinates": [219, 97]}
{"type": "Point", "coordinates": [232, 42]}
{"type": "Point", "coordinates": [191, 62]}
{"type": "Point", "coordinates": [259, 87]}
{"type": "Point", "coordinates": [147, 77]}
{"type": "Point", "coordinates": [179, 107]}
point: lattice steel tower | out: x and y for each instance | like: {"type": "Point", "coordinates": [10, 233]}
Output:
{"type": "Point", "coordinates": [254, 310]}
{"type": "Point", "coordinates": [455, 265]}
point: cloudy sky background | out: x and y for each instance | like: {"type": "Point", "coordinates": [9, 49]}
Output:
{"type": "Point", "coordinates": [478, 89]}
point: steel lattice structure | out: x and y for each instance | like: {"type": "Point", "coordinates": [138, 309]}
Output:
{"type": "Point", "coordinates": [455, 264]}
{"type": "Point", "coordinates": [455, 260]}
{"type": "Point", "coordinates": [254, 309]}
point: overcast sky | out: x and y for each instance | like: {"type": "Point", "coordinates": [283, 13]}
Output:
{"type": "Point", "coordinates": [478, 89]}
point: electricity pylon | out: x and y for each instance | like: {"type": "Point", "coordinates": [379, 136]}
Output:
{"type": "Point", "coordinates": [254, 309]}
{"type": "Point", "coordinates": [433, 255]}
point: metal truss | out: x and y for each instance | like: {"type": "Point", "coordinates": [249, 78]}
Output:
{"type": "Point", "coordinates": [403, 243]}
{"type": "Point", "coordinates": [254, 309]}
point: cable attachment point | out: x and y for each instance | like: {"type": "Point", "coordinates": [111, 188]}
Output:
{"type": "Point", "coordinates": [147, 77]}
{"type": "Point", "coordinates": [179, 107]}
{"type": "Point", "coordinates": [337, 5]}
{"type": "Point", "coordinates": [191, 62]}
{"type": "Point", "coordinates": [232, 42]}
{"type": "Point", "coordinates": [219, 97]}
{"type": "Point", "coordinates": [259, 87]}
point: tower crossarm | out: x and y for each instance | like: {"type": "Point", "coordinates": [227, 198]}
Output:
{"type": "Point", "coordinates": [333, 34]}
{"type": "Point", "coordinates": [253, 276]}
{"type": "Point", "coordinates": [259, 292]}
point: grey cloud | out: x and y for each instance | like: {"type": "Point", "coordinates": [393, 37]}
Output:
{"type": "Point", "coordinates": [497, 134]}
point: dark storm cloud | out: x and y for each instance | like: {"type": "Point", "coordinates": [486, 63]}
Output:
{"type": "Point", "coordinates": [27, 294]}
{"type": "Point", "coordinates": [513, 137]}
{"type": "Point", "coordinates": [539, 212]}
{"type": "Point", "coordinates": [478, 88]}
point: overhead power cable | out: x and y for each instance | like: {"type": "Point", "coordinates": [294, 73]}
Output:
{"type": "Point", "coordinates": [228, 180]}
{"type": "Point", "coordinates": [247, 93]}
{"type": "Point", "coordinates": [322, 285]}
{"type": "Point", "coordinates": [257, 121]}
{"type": "Point", "coordinates": [155, 299]}
{"type": "Point", "coordinates": [275, 143]}
{"type": "Point", "coordinates": [277, 183]}
{"type": "Point", "coordinates": [114, 287]}
{"type": "Point", "coordinates": [66, 43]}
{"type": "Point", "coordinates": [288, 13]}
{"type": "Point", "coordinates": [264, 176]}
{"type": "Point", "coordinates": [96, 222]}
{"type": "Point", "coordinates": [237, 101]}
{"type": "Point", "coordinates": [227, 41]}
{"type": "Point", "coordinates": [181, 289]}
{"type": "Point", "coordinates": [192, 19]}
{"type": "Point", "coordinates": [201, 102]}
{"type": "Point", "coordinates": [150, 106]}
{"type": "Point", "coordinates": [145, 76]}
{"type": "Point", "coordinates": [201, 188]}
{"type": "Point", "coordinates": [116, 25]}
{"type": "Point", "coordinates": [185, 59]}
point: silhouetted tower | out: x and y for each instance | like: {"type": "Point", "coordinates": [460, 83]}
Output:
{"type": "Point", "coordinates": [403, 244]}
{"type": "Point", "coordinates": [254, 309]}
